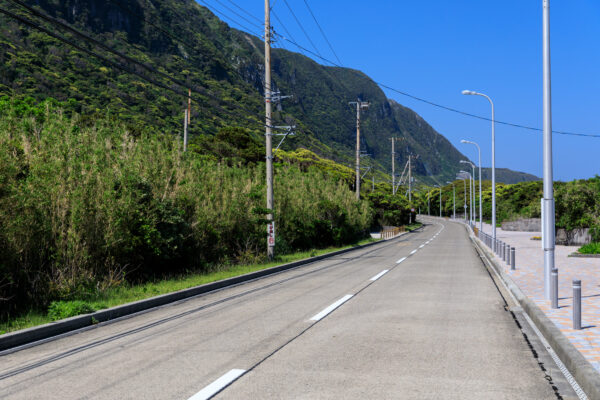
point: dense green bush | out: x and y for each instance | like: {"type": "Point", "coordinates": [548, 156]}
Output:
{"type": "Point", "coordinates": [85, 205]}
{"type": "Point", "coordinates": [65, 309]}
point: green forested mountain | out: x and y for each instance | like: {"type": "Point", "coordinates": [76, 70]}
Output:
{"type": "Point", "coordinates": [224, 68]}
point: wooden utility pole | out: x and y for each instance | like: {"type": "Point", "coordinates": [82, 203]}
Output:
{"type": "Point", "coordinates": [409, 179]}
{"type": "Point", "coordinates": [185, 130]}
{"type": "Point", "coordinates": [360, 105]}
{"type": "Point", "coordinates": [393, 166]}
{"type": "Point", "coordinates": [189, 113]}
{"type": "Point", "coordinates": [268, 134]}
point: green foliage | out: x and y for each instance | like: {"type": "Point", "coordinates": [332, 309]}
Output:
{"type": "Point", "coordinates": [65, 309]}
{"type": "Point", "coordinates": [86, 206]}
{"type": "Point", "coordinates": [390, 210]}
{"type": "Point", "coordinates": [590, 248]}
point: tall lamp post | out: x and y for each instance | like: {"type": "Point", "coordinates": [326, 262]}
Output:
{"type": "Point", "coordinates": [548, 209]}
{"type": "Point", "coordinates": [453, 200]}
{"type": "Point", "coordinates": [474, 196]}
{"type": "Point", "coordinates": [470, 196]}
{"type": "Point", "coordinates": [480, 201]}
{"type": "Point", "coordinates": [465, 205]}
{"type": "Point", "coordinates": [472, 93]}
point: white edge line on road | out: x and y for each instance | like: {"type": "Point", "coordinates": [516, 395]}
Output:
{"type": "Point", "coordinates": [414, 251]}
{"type": "Point", "coordinates": [379, 275]}
{"type": "Point", "coordinates": [218, 385]}
{"type": "Point", "coordinates": [329, 309]}
{"type": "Point", "coordinates": [400, 260]}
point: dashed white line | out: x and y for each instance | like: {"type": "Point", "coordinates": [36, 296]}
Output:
{"type": "Point", "coordinates": [421, 246]}
{"type": "Point", "coordinates": [332, 307]}
{"type": "Point", "coordinates": [379, 275]}
{"type": "Point", "coordinates": [218, 385]}
{"type": "Point", "coordinates": [414, 251]}
{"type": "Point", "coordinates": [400, 260]}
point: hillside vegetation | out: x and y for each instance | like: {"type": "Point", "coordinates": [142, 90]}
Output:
{"type": "Point", "coordinates": [577, 202]}
{"type": "Point", "coordinates": [86, 205]}
{"type": "Point", "coordinates": [223, 66]}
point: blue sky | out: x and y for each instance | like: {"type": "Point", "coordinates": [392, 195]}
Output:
{"type": "Point", "coordinates": [434, 49]}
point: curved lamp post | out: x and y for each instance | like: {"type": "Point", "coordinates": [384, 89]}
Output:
{"type": "Point", "coordinates": [480, 201]}
{"type": "Point", "coordinates": [473, 194]}
{"type": "Point", "coordinates": [470, 195]}
{"type": "Point", "coordinates": [472, 93]}
{"type": "Point", "coordinates": [453, 200]}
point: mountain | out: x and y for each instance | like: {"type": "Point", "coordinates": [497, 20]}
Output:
{"type": "Point", "coordinates": [505, 175]}
{"type": "Point", "coordinates": [179, 44]}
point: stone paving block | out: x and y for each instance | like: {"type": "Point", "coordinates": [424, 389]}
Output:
{"type": "Point", "coordinates": [530, 279]}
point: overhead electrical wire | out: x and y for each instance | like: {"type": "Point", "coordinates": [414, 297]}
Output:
{"type": "Point", "coordinates": [322, 32]}
{"type": "Point", "coordinates": [123, 67]}
{"type": "Point", "coordinates": [454, 110]}
{"type": "Point", "coordinates": [301, 26]}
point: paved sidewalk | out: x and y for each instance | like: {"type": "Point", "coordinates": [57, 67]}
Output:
{"type": "Point", "coordinates": [530, 279]}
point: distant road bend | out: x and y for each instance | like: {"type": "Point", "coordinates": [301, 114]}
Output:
{"type": "Point", "coordinates": [418, 317]}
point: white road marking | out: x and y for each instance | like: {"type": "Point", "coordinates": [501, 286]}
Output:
{"type": "Point", "coordinates": [414, 251]}
{"type": "Point", "coordinates": [218, 385]}
{"type": "Point", "coordinates": [379, 275]}
{"type": "Point", "coordinates": [400, 260]}
{"type": "Point", "coordinates": [332, 307]}
{"type": "Point", "coordinates": [421, 246]}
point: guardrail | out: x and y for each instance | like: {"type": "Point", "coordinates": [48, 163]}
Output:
{"type": "Point", "coordinates": [389, 233]}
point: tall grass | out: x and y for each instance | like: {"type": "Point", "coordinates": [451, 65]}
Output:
{"type": "Point", "coordinates": [86, 206]}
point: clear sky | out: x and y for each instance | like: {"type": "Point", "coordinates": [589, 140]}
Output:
{"type": "Point", "coordinates": [434, 49]}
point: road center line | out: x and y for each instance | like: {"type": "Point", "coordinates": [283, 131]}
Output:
{"type": "Point", "coordinates": [332, 307]}
{"type": "Point", "coordinates": [379, 275]}
{"type": "Point", "coordinates": [400, 260]}
{"type": "Point", "coordinates": [218, 385]}
{"type": "Point", "coordinates": [414, 251]}
{"type": "Point", "coordinates": [421, 246]}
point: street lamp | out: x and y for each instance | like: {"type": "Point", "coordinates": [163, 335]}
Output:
{"type": "Point", "coordinates": [465, 197]}
{"type": "Point", "coordinates": [472, 93]}
{"type": "Point", "coordinates": [473, 202]}
{"type": "Point", "coordinates": [480, 201]}
{"type": "Point", "coordinates": [548, 208]}
{"type": "Point", "coordinates": [470, 195]}
{"type": "Point", "coordinates": [453, 200]}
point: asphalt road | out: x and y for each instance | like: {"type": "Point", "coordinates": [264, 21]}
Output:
{"type": "Point", "coordinates": [434, 326]}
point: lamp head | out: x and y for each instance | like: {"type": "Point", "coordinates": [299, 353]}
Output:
{"type": "Point", "coordinates": [468, 92]}
{"type": "Point", "coordinates": [464, 141]}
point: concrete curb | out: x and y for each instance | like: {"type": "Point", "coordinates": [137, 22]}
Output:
{"type": "Point", "coordinates": [584, 373]}
{"type": "Point", "coordinates": [37, 333]}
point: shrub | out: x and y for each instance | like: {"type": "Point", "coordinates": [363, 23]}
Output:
{"type": "Point", "coordinates": [590, 248]}
{"type": "Point", "coordinates": [65, 309]}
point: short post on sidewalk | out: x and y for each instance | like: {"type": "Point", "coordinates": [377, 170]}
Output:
{"type": "Point", "coordinates": [512, 258]}
{"type": "Point", "coordinates": [576, 304]}
{"type": "Point", "coordinates": [554, 294]}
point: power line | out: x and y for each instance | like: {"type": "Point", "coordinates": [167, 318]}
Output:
{"type": "Point", "coordinates": [322, 32]}
{"type": "Point", "coordinates": [117, 65]}
{"type": "Point", "coordinates": [238, 14]}
{"type": "Point", "coordinates": [301, 27]}
{"type": "Point", "coordinates": [454, 110]}
{"type": "Point", "coordinates": [214, 10]}
{"type": "Point", "coordinates": [246, 12]}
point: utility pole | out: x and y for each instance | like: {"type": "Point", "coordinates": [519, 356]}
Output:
{"type": "Point", "coordinates": [393, 167]}
{"type": "Point", "coordinates": [189, 113]}
{"type": "Point", "coordinates": [409, 179]}
{"type": "Point", "coordinates": [268, 134]}
{"type": "Point", "coordinates": [185, 130]}
{"type": "Point", "coordinates": [360, 105]}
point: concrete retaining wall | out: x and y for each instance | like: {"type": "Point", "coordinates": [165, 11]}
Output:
{"type": "Point", "coordinates": [523, 225]}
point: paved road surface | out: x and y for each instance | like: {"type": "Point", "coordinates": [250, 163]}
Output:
{"type": "Point", "coordinates": [434, 326]}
